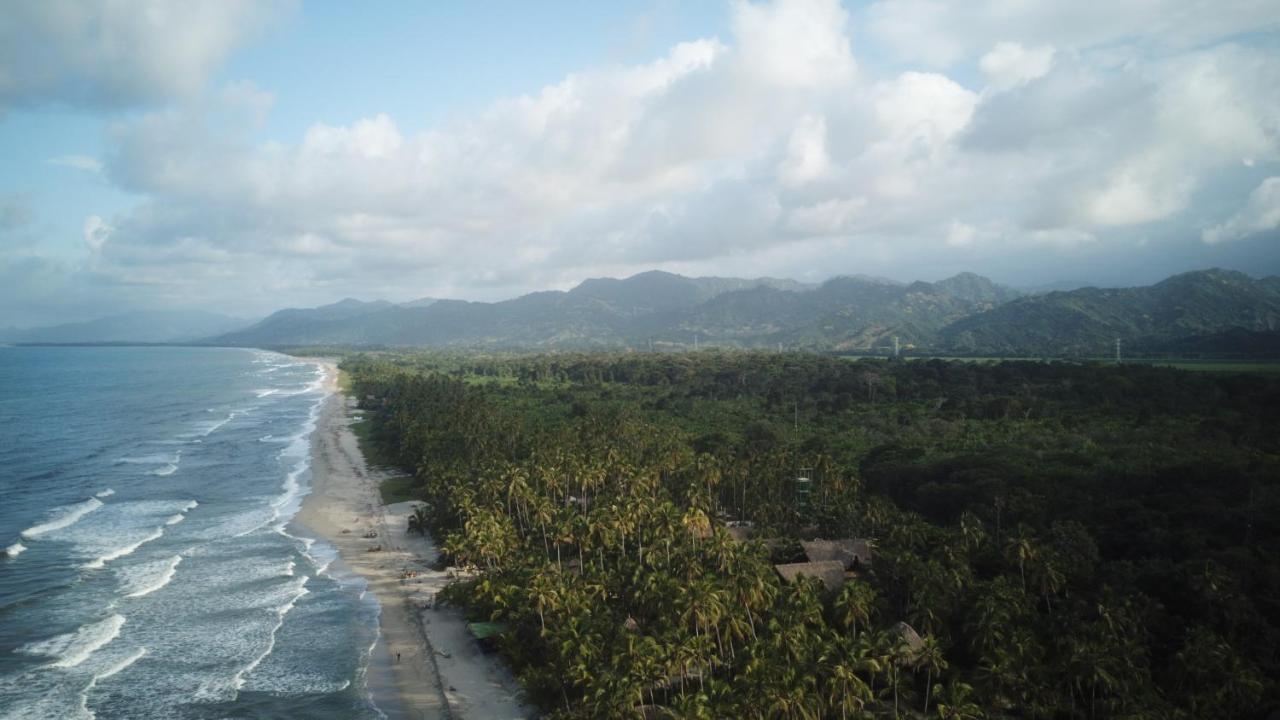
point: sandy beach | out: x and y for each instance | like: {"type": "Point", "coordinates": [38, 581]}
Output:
{"type": "Point", "coordinates": [426, 664]}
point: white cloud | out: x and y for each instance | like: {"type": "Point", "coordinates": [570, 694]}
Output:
{"type": "Point", "coordinates": [797, 43]}
{"type": "Point", "coordinates": [78, 162]}
{"type": "Point", "coordinates": [829, 217]}
{"type": "Point", "coordinates": [118, 53]}
{"type": "Point", "coordinates": [96, 233]}
{"type": "Point", "coordinates": [769, 151]}
{"type": "Point", "coordinates": [1009, 64]}
{"type": "Point", "coordinates": [961, 234]}
{"type": "Point", "coordinates": [1260, 214]}
{"type": "Point", "coordinates": [806, 158]}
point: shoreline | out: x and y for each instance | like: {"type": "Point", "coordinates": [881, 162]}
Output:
{"type": "Point", "coordinates": [441, 671]}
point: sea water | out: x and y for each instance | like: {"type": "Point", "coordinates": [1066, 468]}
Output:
{"type": "Point", "coordinates": [149, 566]}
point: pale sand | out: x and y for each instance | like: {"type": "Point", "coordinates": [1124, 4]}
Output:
{"type": "Point", "coordinates": [344, 504]}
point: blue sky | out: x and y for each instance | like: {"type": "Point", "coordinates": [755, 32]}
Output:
{"type": "Point", "coordinates": [242, 156]}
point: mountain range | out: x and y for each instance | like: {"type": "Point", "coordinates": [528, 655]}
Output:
{"type": "Point", "coordinates": [966, 313]}
{"type": "Point", "coordinates": [1204, 311]}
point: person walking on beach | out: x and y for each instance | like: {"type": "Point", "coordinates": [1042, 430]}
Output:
{"type": "Point", "coordinates": [397, 657]}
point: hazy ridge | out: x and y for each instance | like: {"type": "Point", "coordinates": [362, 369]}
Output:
{"type": "Point", "coordinates": [1208, 311]}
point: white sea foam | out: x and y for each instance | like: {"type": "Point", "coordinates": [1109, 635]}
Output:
{"type": "Point", "coordinates": [228, 689]}
{"type": "Point", "coordinates": [105, 493]}
{"type": "Point", "coordinates": [267, 392]}
{"type": "Point", "coordinates": [73, 648]}
{"type": "Point", "coordinates": [119, 667]}
{"type": "Point", "coordinates": [67, 516]}
{"type": "Point", "coordinates": [165, 471]}
{"type": "Point", "coordinates": [321, 557]}
{"type": "Point", "coordinates": [186, 507]}
{"type": "Point", "coordinates": [123, 551]}
{"type": "Point", "coordinates": [210, 428]}
{"type": "Point", "coordinates": [156, 459]}
{"type": "Point", "coordinates": [14, 550]}
{"type": "Point", "coordinates": [146, 578]}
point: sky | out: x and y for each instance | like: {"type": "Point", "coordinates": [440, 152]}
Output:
{"type": "Point", "coordinates": [246, 155]}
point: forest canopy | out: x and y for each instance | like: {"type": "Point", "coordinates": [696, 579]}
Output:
{"type": "Point", "coordinates": [1048, 540]}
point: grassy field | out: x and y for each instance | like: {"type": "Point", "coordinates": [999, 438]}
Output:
{"type": "Point", "coordinates": [398, 487]}
{"type": "Point", "coordinates": [1192, 364]}
{"type": "Point", "coordinates": [1224, 366]}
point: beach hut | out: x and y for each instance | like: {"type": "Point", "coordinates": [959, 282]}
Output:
{"type": "Point", "coordinates": [910, 640]}
{"type": "Point", "coordinates": [487, 634]}
{"type": "Point", "coordinates": [829, 573]}
{"type": "Point", "coordinates": [853, 552]}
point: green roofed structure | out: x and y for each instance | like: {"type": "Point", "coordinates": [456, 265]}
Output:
{"type": "Point", "coordinates": [486, 630]}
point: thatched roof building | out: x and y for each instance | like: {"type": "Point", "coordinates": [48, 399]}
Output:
{"type": "Point", "coordinates": [909, 637]}
{"type": "Point", "coordinates": [849, 551]}
{"type": "Point", "coordinates": [830, 573]}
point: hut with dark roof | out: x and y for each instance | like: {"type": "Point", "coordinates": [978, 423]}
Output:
{"type": "Point", "coordinates": [829, 573]}
{"type": "Point", "coordinates": [852, 552]}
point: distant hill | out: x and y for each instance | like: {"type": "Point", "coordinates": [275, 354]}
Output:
{"type": "Point", "coordinates": [1087, 321]}
{"type": "Point", "coordinates": [844, 313]}
{"type": "Point", "coordinates": [657, 308]}
{"type": "Point", "coordinates": [596, 313]}
{"type": "Point", "coordinates": [340, 321]}
{"type": "Point", "coordinates": [1202, 312]}
{"type": "Point", "coordinates": [152, 326]}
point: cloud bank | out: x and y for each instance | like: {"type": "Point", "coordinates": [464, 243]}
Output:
{"type": "Point", "coordinates": [770, 151]}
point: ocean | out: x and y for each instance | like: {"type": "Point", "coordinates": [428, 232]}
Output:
{"type": "Point", "coordinates": [150, 569]}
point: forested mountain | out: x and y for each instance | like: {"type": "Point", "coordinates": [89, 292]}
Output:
{"type": "Point", "coordinates": [342, 321]}
{"type": "Point", "coordinates": [1174, 312]}
{"type": "Point", "coordinates": [855, 312]}
{"type": "Point", "coordinates": [603, 312]}
{"type": "Point", "coordinates": [1204, 311]}
{"type": "Point", "coordinates": [157, 326]}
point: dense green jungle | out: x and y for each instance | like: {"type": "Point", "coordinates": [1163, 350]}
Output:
{"type": "Point", "coordinates": [1046, 539]}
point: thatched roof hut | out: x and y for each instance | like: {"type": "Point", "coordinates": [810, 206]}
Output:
{"type": "Point", "coordinates": [830, 573]}
{"type": "Point", "coordinates": [849, 551]}
{"type": "Point", "coordinates": [909, 637]}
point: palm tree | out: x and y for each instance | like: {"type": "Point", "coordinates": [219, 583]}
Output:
{"type": "Point", "coordinates": [955, 702]}
{"type": "Point", "coordinates": [854, 604]}
{"type": "Point", "coordinates": [845, 687]}
{"type": "Point", "coordinates": [930, 657]}
{"type": "Point", "coordinates": [418, 520]}
{"type": "Point", "coordinates": [1022, 549]}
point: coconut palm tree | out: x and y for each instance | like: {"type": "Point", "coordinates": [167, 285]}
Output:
{"type": "Point", "coordinates": [854, 604]}
{"type": "Point", "coordinates": [930, 657]}
{"type": "Point", "coordinates": [418, 520]}
{"type": "Point", "coordinates": [955, 702]}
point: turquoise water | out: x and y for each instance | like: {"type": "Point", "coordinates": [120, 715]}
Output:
{"type": "Point", "coordinates": [150, 569]}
